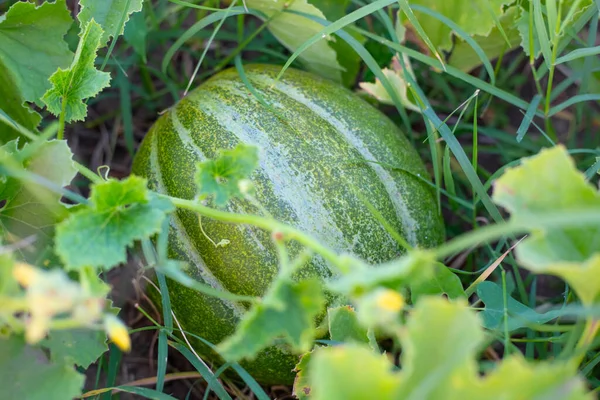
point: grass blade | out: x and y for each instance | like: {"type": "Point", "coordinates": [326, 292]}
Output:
{"type": "Point", "coordinates": [579, 53]}
{"type": "Point", "coordinates": [336, 26]}
{"type": "Point", "coordinates": [464, 36]}
{"type": "Point", "coordinates": [206, 373]}
{"type": "Point", "coordinates": [528, 117]}
{"type": "Point", "coordinates": [163, 353]}
{"type": "Point", "coordinates": [420, 31]}
{"type": "Point", "coordinates": [541, 32]}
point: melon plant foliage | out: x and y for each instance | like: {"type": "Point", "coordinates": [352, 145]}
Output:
{"type": "Point", "coordinates": [55, 245]}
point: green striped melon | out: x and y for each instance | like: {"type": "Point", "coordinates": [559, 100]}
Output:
{"type": "Point", "coordinates": [329, 145]}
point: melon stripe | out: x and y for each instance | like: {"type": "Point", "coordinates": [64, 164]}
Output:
{"type": "Point", "coordinates": [248, 128]}
{"type": "Point", "coordinates": [395, 193]}
{"type": "Point", "coordinates": [280, 173]}
{"type": "Point", "coordinates": [176, 224]}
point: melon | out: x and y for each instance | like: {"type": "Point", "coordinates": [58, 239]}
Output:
{"type": "Point", "coordinates": [323, 152]}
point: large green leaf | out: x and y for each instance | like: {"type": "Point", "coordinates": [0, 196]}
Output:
{"type": "Point", "coordinates": [32, 47]}
{"type": "Point", "coordinates": [80, 81]}
{"type": "Point", "coordinates": [293, 30]}
{"type": "Point", "coordinates": [550, 183]}
{"type": "Point", "coordinates": [121, 213]}
{"type": "Point", "coordinates": [25, 373]}
{"type": "Point", "coordinates": [112, 15]}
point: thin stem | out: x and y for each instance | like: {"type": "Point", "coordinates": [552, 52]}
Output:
{"type": "Point", "coordinates": [269, 224]}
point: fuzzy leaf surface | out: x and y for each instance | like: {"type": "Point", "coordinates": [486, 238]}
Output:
{"type": "Point", "coordinates": [81, 80]}
{"type": "Point", "coordinates": [109, 14]}
{"type": "Point", "coordinates": [121, 213]}
{"type": "Point", "coordinates": [32, 47]}
{"type": "Point", "coordinates": [288, 310]}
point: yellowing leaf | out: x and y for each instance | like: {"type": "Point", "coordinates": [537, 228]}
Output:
{"type": "Point", "coordinates": [109, 14]}
{"type": "Point", "coordinates": [293, 30]}
{"type": "Point", "coordinates": [351, 372]}
{"type": "Point", "coordinates": [439, 361]}
{"type": "Point", "coordinates": [396, 77]}
{"type": "Point", "coordinates": [439, 348]}
{"type": "Point", "coordinates": [80, 81]}
{"type": "Point", "coordinates": [550, 183]}
{"type": "Point", "coordinates": [516, 379]}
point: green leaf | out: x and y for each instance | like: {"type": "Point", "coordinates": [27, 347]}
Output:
{"type": "Point", "coordinates": [351, 372]}
{"type": "Point", "coordinates": [519, 315]}
{"type": "Point", "coordinates": [8, 285]}
{"type": "Point", "coordinates": [77, 346]}
{"type": "Point", "coordinates": [293, 30]}
{"type": "Point", "coordinates": [550, 182]}
{"type": "Point", "coordinates": [112, 15]}
{"type": "Point", "coordinates": [439, 348]}
{"type": "Point", "coordinates": [475, 17]}
{"type": "Point", "coordinates": [121, 213]}
{"type": "Point", "coordinates": [493, 45]}
{"type": "Point", "coordinates": [344, 325]}
{"type": "Point", "coordinates": [302, 389]}
{"type": "Point", "coordinates": [33, 209]}
{"type": "Point", "coordinates": [443, 281]}
{"type": "Point", "coordinates": [25, 373]}
{"type": "Point", "coordinates": [80, 81]}
{"type": "Point", "coordinates": [288, 309]}
{"type": "Point", "coordinates": [32, 47]}
{"type": "Point", "coordinates": [440, 344]}
{"type": "Point", "coordinates": [136, 32]}
{"type": "Point", "coordinates": [221, 177]}
{"type": "Point", "coordinates": [12, 105]}
{"type": "Point", "coordinates": [397, 274]}
{"type": "Point", "coordinates": [517, 379]}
